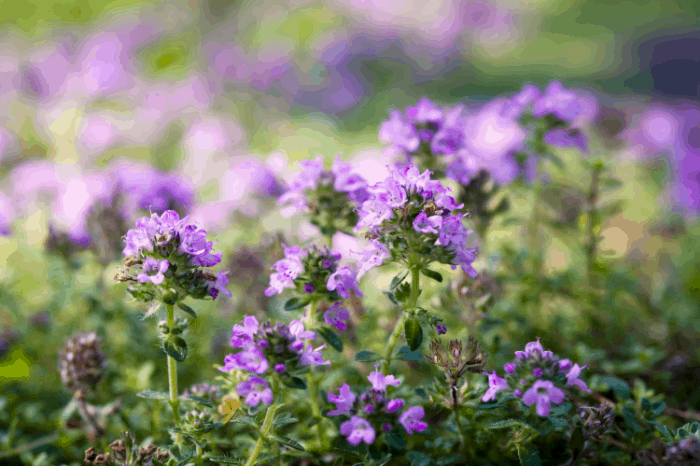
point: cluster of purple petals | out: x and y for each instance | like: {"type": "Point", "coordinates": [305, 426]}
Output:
{"type": "Point", "coordinates": [266, 347]}
{"type": "Point", "coordinates": [318, 263]}
{"type": "Point", "coordinates": [374, 411]}
{"type": "Point", "coordinates": [537, 376]}
{"type": "Point", "coordinates": [160, 236]}
{"type": "Point", "coordinates": [70, 195]}
{"type": "Point", "coordinates": [393, 194]}
{"type": "Point", "coordinates": [341, 177]}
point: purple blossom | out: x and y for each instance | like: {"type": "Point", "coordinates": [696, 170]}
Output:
{"type": "Point", "coordinates": [251, 359]}
{"type": "Point", "coordinates": [312, 357]}
{"type": "Point", "coordinates": [337, 316]}
{"type": "Point", "coordinates": [564, 364]}
{"type": "Point", "coordinates": [411, 419]}
{"type": "Point", "coordinates": [561, 137]}
{"type": "Point", "coordinates": [509, 368]}
{"type": "Point", "coordinates": [425, 111]}
{"type": "Point", "coordinates": [543, 392]}
{"type": "Point", "coordinates": [520, 101]}
{"type": "Point", "coordinates": [220, 284]}
{"type": "Point", "coordinates": [280, 368]}
{"type": "Point", "coordinates": [344, 401]}
{"type": "Point", "coordinates": [399, 132]}
{"type": "Point", "coordinates": [255, 390]}
{"type": "Point", "coordinates": [343, 280]}
{"type": "Point", "coordinates": [379, 381]}
{"type": "Point", "coordinates": [357, 430]}
{"type": "Point", "coordinates": [537, 372]}
{"type": "Point", "coordinates": [572, 378]}
{"type": "Point", "coordinates": [425, 224]}
{"type": "Point", "coordinates": [440, 328]}
{"type": "Point", "coordinates": [560, 102]}
{"type": "Point", "coordinates": [532, 350]}
{"type": "Point", "coordinates": [496, 384]}
{"type": "Point", "coordinates": [372, 256]}
{"type": "Point", "coordinates": [243, 334]}
{"type": "Point", "coordinates": [451, 135]}
{"type": "Point", "coordinates": [153, 271]}
{"type": "Point", "coordinates": [394, 405]}
{"type": "Point", "coordinates": [296, 330]}
{"type": "Point", "coordinates": [372, 213]}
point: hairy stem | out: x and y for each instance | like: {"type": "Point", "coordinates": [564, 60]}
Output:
{"type": "Point", "coordinates": [398, 327]}
{"type": "Point", "coordinates": [458, 421]}
{"type": "Point", "coordinates": [593, 220]}
{"type": "Point", "coordinates": [172, 375]}
{"type": "Point", "coordinates": [42, 441]}
{"type": "Point", "coordinates": [267, 424]}
{"type": "Point", "coordinates": [316, 411]}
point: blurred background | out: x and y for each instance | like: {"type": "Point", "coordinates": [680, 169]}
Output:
{"type": "Point", "coordinates": [111, 108]}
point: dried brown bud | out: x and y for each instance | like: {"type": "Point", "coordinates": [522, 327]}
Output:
{"type": "Point", "coordinates": [90, 455]}
{"type": "Point", "coordinates": [102, 460]}
{"type": "Point", "coordinates": [430, 208]}
{"type": "Point", "coordinates": [208, 276]}
{"type": "Point", "coordinates": [118, 447]}
{"type": "Point", "coordinates": [81, 362]}
{"type": "Point", "coordinates": [123, 276]}
{"type": "Point", "coordinates": [131, 261]}
{"type": "Point", "coordinates": [162, 455]}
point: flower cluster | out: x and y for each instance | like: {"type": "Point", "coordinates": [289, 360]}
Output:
{"type": "Point", "coordinates": [204, 390]}
{"type": "Point", "coordinates": [314, 273]}
{"type": "Point", "coordinates": [81, 362]}
{"type": "Point", "coordinates": [126, 452]}
{"type": "Point", "coordinates": [169, 254]}
{"type": "Point", "coordinates": [328, 196]}
{"type": "Point", "coordinates": [374, 411]}
{"type": "Point", "coordinates": [280, 348]}
{"type": "Point", "coordinates": [538, 377]}
{"type": "Point", "coordinates": [412, 215]}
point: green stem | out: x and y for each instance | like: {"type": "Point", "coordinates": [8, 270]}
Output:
{"type": "Point", "coordinates": [458, 421]}
{"type": "Point", "coordinates": [315, 410]}
{"type": "Point", "coordinates": [200, 460]}
{"type": "Point", "coordinates": [267, 424]}
{"type": "Point", "coordinates": [593, 220]}
{"type": "Point", "coordinates": [172, 374]}
{"type": "Point", "coordinates": [398, 327]}
{"type": "Point", "coordinates": [534, 227]}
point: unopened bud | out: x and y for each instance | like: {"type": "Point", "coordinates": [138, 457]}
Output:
{"type": "Point", "coordinates": [131, 261]}
{"type": "Point", "coordinates": [170, 297]}
{"type": "Point", "coordinates": [163, 327]}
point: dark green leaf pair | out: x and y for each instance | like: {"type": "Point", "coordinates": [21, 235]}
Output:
{"type": "Point", "coordinates": [414, 333]}
{"type": "Point", "coordinates": [175, 347]}
{"type": "Point", "coordinates": [295, 303]}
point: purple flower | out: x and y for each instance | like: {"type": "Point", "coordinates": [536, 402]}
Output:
{"type": "Point", "coordinates": [451, 135]}
{"type": "Point", "coordinates": [399, 132]}
{"type": "Point", "coordinates": [379, 381]}
{"type": "Point", "coordinates": [572, 378]}
{"type": "Point", "coordinates": [543, 392]}
{"type": "Point", "coordinates": [532, 349]}
{"type": "Point", "coordinates": [537, 372]}
{"type": "Point", "coordinates": [517, 393]}
{"type": "Point", "coordinates": [296, 329]}
{"type": "Point", "coordinates": [372, 213]}
{"type": "Point", "coordinates": [343, 402]}
{"type": "Point", "coordinates": [564, 364]}
{"type": "Point", "coordinates": [337, 316]}
{"type": "Point", "coordinates": [520, 101]}
{"type": "Point", "coordinates": [343, 280]}
{"type": "Point", "coordinates": [561, 137]}
{"type": "Point", "coordinates": [411, 419]}
{"type": "Point", "coordinates": [496, 384]}
{"type": "Point", "coordinates": [425, 224]}
{"type": "Point", "coordinates": [558, 101]}
{"type": "Point", "coordinates": [312, 357]}
{"type": "Point", "coordinates": [251, 359]}
{"type": "Point", "coordinates": [220, 284]}
{"type": "Point", "coordinates": [279, 368]}
{"type": "Point", "coordinates": [425, 111]}
{"type": "Point", "coordinates": [394, 405]}
{"type": "Point", "coordinates": [153, 271]}
{"type": "Point", "coordinates": [440, 329]}
{"type": "Point", "coordinates": [255, 390]}
{"type": "Point", "coordinates": [509, 368]}
{"type": "Point", "coordinates": [243, 334]}
{"type": "Point", "coordinates": [357, 430]}
{"type": "Point", "coordinates": [372, 256]}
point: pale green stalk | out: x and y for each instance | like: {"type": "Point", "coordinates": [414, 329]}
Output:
{"type": "Point", "coordinates": [267, 424]}
{"type": "Point", "coordinates": [398, 327]}
{"type": "Point", "coordinates": [172, 374]}
{"type": "Point", "coordinates": [310, 377]}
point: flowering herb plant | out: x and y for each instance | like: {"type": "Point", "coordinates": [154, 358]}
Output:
{"type": "Point", "coordinates": [325, 363]}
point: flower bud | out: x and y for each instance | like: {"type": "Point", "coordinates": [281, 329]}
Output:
{"type": "Point", "coordinates": [81, 362]}
{"type": "Point", "coordinates": [440, 328]}
{"type": "Point", "coordinates": [163, 327]}
{"type": "Point", "coordinates": [170, 297]}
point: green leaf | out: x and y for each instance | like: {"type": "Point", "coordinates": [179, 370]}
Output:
{"type": "Point", "coordinates": [331, 338]}
{"type": "Point", "coordinates": [224, 460]}
{"type": "Point", "coordinates": [529, 456]}
{"type": "Point", "coordinates": [176, 348]}
{"type": "Point", "coordinates": [295, 382]}
{"type": "Point", "coordinates": [187, 309]}
{"type": "Point", "coordinates": [445, 460]}
{"type": "Point", "coordinates": [421, 393]}
{"type": "Point", "coordinates": [391, 297]}
{"type": "Point", "coordinates": [418, 459]}
{"type": "Point", "coordinates": [505, 424]}
{"type": "Point", "coordinates": [283, 421]}
{"type": "Point", "coordinates": [619, 386]}
{"type": "Point", "coordinates": [658, 408]}
{"type": "Point", "coordinates": [295, 303]}
{"type": "Point", "coordinates": [367, 356]}
{"type": "Point", "coordinates": [668, 433]}
{"type": "Point", "coordinates": [200, 400]}
{"type": "Point", "coordinates": [396, 281]}
{"type": "Point", "coordinates": [577, 441]}
{"type": "Point", "coordinates": [414, 333]}
{"type": "Point", "coordinates": [405, 354]}
{"type": "Point", "coordinates": [289, 442]}
{"type": "Point", "coordinates": [152, 309]}
{"type": "Point", "coordinates": [396, 441]}
{"type": "Point", "coordinates": [558, 422]}
{"type": "Point", "coordinates": [631, 419]}
{"type": "Point", "coordinates": [432, 274]}
{"type": "Point", "coordinates": [151, 395]}
{"type": "Point", "coordinates": [247, 420]}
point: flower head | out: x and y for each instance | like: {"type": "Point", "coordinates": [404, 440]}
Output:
{"type": "Point", "coordinates": [152, 271]}
{"type": "Point", "coordinates": [343, 280]}
{"type": "Point", "coordinates": [243, 334]}
{"type": "Point", "coordinates": [572, 378]}
{"type": "Point", "coordinates": [411, 419]}
{"type": "Point", "coordinates": [344, 401]}
{"type": "Point", "coordinates": [379, 381]}
{"type": "Point", "coordinates": [358, 430]}
{"type": "Point", "coordinates": [255, 390]}
{"type": "Point", "coordinates": [496, 384]}
{"type": "Point", "coordinates": [543, 392]}
{"type": "Point", "coordinates": [337, 316]}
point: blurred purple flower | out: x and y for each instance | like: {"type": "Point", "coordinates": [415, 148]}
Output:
{"type": "Point", "coordinates": [572, 378]}
{"type": "Point", "coordinates": [496, 384]}
{"type": "Point", "coordinates": [337, 316]}
{"type": "Point", "coordinates": [411, 419]}
{"type": "Point", "coordinates": [343, 401]}
{"type": "Point", "coordinates": [153, 271]}
{"type": "Point", "coordinates": [358, 430]}
{"type": "Point", "coordinates": [255, 390]}
{"type": "Point", "coordinates": [562, 137]}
